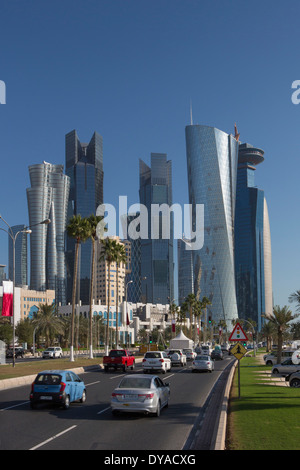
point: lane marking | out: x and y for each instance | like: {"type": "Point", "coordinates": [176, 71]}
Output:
{"type": "Point", "coordinates": [92, 383]}
{"type": "Point", "coordinates": [52, 438]}
{"type": "Point", "coordinates": [14, 406]}
{"type": "Point", "coordinates": [102, 411]}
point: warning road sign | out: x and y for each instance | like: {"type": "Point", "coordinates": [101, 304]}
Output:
{"type": "Point", "coordinates": [238, 351]}
{"type": "Point", "coordinates": [238, 334]}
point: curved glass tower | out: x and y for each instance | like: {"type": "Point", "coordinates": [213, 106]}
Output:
{"type": "Point", "coordinates": [48, 199]}
{"type": "Point", "coordinates": [212, 157]}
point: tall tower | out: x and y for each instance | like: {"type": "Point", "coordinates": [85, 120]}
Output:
{"type": "Point", "coordinates": [157, 263]}
{"type": "Point", "coordinates": [253, 263]}
{"type": "Point", "coordinates": [212, 157]}
{"type": "Point", "coordinates": [47, 198]}
{"type": "Point", "coordinates": [21, 256]}
{"type": "Point", "coordinates": [84, 166]}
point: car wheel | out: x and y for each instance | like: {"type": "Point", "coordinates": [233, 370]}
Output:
{"type": "Point", "coordinates": [295, 383]}
{"type": "Point", "coordinates": [275, 371]}
{"type": "Point", "coordinates": [158, 409]}
{"type": "Point", "coordinates": [133, 366]}
{"type": "Point", "coordinates": [163, 371]}
{"type": "Point", "coordinates": [66, 404]}
{"type": "Point", "coordinates": [83, 398]}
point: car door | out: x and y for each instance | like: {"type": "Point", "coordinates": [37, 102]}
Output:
{"type": "Point", "coordinates": [162, 390]}
{"type": "Point", "coordinates": [70, 386]}
{"type": "Point", "coordinates": [78, 386]}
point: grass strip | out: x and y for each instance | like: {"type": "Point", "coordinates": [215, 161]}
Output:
{"type": "Point", "coordinates": [265, 417]}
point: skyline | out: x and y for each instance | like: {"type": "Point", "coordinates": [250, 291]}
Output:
{"type": "Point", "coordinates": [129, 71]}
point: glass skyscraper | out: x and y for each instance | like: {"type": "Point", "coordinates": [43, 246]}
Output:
{"type": "Point", "coordinates": [185, 270]}
{"type": "Point", "coordinates": [157, 260]}
{"type": "Point", "coordinates": [47, 199]}
{"type": "Point", "coordinates": [253, 264]}
{"type": "Point", "coordinates": [212, 157]}
{"type": "Point", "coordinates": [84, 166]}
{"type": "Point", "coordinates": [21, 256]}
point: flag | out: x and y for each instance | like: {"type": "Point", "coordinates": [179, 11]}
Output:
{"type": "Point", "coordinates": [127, 320]}
{"type": "Point", "coordinates": [173, 326]}
{"type": "Point", "coordinates": [7, 305]}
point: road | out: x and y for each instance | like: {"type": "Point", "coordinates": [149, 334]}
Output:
{"type": "Point", "coordinates": [91, 426]}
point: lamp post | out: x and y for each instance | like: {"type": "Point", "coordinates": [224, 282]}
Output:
{"type": "Point", "coordinates": [14, 238]}
{"type": "Point", "coordinates": [126, 287]}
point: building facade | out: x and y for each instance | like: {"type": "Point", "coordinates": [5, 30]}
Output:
{"type": "Point", "coordinates": [212, 157]}
{"type": "Point", "coordinates": [157, 263]}
{"type": "Point", "coordinates": [21, 256]}
{"type": "Point", "coordinates": [47, 199]}
{"type": "Point", "coordinates": [84, 167]}
{"type": "Point", "coordinates": [253, 264]}
{"type": "Point", "coordinates": [185, 270]}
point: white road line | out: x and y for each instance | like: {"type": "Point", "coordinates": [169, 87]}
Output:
{"type": "Point", "coordinates": [54, 437]}
{"type": "Point", "coordinates": [92, 383]}
{"type": "Point", "coordinates": [102, 411]}
{"type": "Point", "coordinates": [15, 406]}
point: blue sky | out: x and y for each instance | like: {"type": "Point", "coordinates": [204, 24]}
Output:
{"type": "Point", "coordinates": [129, 70]}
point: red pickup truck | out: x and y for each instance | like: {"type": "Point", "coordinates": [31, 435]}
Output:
{"type": "Point", "coordinates": [118, 359]}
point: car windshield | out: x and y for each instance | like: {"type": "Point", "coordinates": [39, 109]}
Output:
{"type": "Point", "coordinates": [131, 382]}
{"type": "Point", "coordinates": [202, 358]}
{"type": "Point", "coordinates": [117, 353]}
{"type": "Point", "coordinates": [153, 355]}
{"type": "Point", "coordinates": [48, 379]}
{"type": "Point", "coordinates": [50, 349]}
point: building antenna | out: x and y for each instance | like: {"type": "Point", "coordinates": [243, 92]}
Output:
{"type": "Point", "coordinates": [191, 112]}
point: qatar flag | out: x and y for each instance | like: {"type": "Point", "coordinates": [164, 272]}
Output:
{"type": "Point", "coordinates": [173, 326]}
{"type": "Point", "coordinates": [7, 305]}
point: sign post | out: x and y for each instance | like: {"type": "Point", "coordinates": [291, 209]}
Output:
{"type": "Point", "coordinates": [238, 349]}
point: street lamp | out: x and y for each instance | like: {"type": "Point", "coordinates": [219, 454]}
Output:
{"type": "Point", "coordinates": [14, 238]}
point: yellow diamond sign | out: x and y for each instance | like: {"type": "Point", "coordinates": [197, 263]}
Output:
{"type": "Point", "coordinates": [238, 351]}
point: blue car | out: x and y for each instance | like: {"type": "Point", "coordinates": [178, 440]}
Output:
{"type": "Point", "coordinates": [59, 387]}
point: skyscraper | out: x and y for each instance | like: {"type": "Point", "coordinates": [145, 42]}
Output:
{"type": "Point", "coordinates": [253, 265]}
{"type": "Point", "coordinates": [47, 198]}
{"type": "Point", "coordinates": [21, 256]}
{"type": "Point", "coordinates": [84, 166]}
{"type": "Point", "coordinates": [212, 157]}
{"type": "Point", "coordinates": [185, 270]}
{"type": "Point", "coordinates": [157, 263]}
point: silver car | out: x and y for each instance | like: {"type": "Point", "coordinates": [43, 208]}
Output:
{"type": "Point", "coordinates": [202, 362]}
{"type": "Point", "coordinates": [139, 394]}
{"type": "Point", "coordinates": [294, 379]}
{"type": "Point", "coordinates": [285, 368]}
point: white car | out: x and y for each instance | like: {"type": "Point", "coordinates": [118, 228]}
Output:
{"type": "Point", "coordinates": [190, 354]}
{"type": "Point", "coordinates": [202, 362]}
{"type": "Point", "coordinates": [271, 359]}
{"type": "Point", "coordinates": [156, 360]}
{"type": "Point", "coordinates": [206, 349]}
{"type": "Point", "coordinates": [52, 352]}
{"type": "Point", "coordinates": [177, 357]}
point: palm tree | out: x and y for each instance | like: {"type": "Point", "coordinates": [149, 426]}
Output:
{"type": "Point", "coordinates": [93, 221]}
{"type": "Point", "coordinates": [191, 301]}
{"type": "Point", "coordinates": [79, 229]}
{"type": "Point", "coordinates": [108, 254]}
{"type": "Point", "coordinates": [47, 322]}
{"type": "Point", "coordinates": [204, 303]}
{"type": "Point", "coordinates": [295, 297]}
{"type": "Point", "coordinates": [121, 257]}
{"type": "Point", "coordinates": [280, 318]}
{"type": "Point", "coordinates": [197, 310]}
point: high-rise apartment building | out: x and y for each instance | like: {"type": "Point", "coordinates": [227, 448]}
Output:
{"type": "Point", "coordinates": [84, 166]}
{"type": "Point", "coordinates": [212, 157]}
{"type": "Point", "coordinates": [21, 256]}
{"type": "Point", "coordinates": [157, 264]}
{"type": "Point", "coordinates": [253, 265]}
{"type": "Point", "coordinates": [185, 270]}
{"type": "Point", "coordinates": [47, 199]}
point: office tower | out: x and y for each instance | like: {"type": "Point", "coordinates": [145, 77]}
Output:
{"type": "Point", "coordinates": [47, 198]}
{"type": "Point", "coordinates": [134, 288]}
{"type": "Point", "coordinates": [21, 257]}
{"type": "Point", "coordinates": [84, 166]}
{"type": "Point", "coordinates": [157, 267]}
{"type": "Point", "coordinates": [185, 270]}
{"type": "Point", "coordinates": [212, 157]}
{"type": "Point", "coordinates": [253, 265]}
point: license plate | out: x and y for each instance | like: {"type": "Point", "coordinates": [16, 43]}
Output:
{"type": "Point", "coordinates": [152, 362]}
{"type": "Point", "coordinates": [130, 397]}
{"type": "Point", "coordinates": [45, 398]}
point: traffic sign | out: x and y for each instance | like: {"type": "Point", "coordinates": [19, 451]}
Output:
{"type": "Point", "coordinates": [238, 334]}
{"type": "Point", "coordinates": [238, 351]}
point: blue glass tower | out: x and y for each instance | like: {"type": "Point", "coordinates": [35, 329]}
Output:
{"type": "Point", "coordinates": [212, 157]}
{"type": "Point", "coordinates": [84, 166]}
{"type": "Point", "coordinates": [252, 240]}
{"type": "Point", "coordinates": [157, 262]}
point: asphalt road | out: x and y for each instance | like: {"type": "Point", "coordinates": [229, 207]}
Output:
{"type": "Point", "coordinates": [91, 426]}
